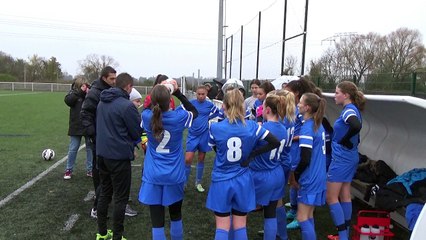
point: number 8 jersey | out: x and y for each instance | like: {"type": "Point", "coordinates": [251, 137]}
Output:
{"type": "Point", "coordinates": [234, 143]}
{"type": "Point", "coordinates": [164, 160]}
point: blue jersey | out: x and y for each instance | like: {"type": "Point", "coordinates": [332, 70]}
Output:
{"type": "Point", "coordinates": [341, 127]}
{"type": "Point", "coordinates": [286, 155]}
{"type": "Point", "coordinates": [234, 143]}
{"type": "Point", "coordinates": [313, 179]}
{"type": "Point", "coordinates": [271, 159]}
{"type": "Point", "coordinates": [206, 111]}
{"type": "Point", "coordinates": [295, 151]}
{"type": "Point", "coordinates": [164, 161]}
{"type": "Point", "coordinates": [221, 114]}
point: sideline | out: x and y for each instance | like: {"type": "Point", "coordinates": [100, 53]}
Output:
{"type": "Point", "coordinates": [18, 94]}
{"type": "Point", "coordinates": [34, 180]}
{"type": "Point", "coordinates": [69, 224]}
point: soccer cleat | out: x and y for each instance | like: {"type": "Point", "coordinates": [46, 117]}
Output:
{"type": "Point", "coordinates": [291, 215]}
{"type": "Point", "coordinates": [199, 188]}
{"type": "Point", "coordinates": [68, 174]}
{"type": "Point", "coordinates": [130, 212]}
{"type": "Point", "coordinates": [288, 205]}
{"type": "Point", "coordinates": [89, 174]}
{"type": "Point", "coordinates": [106, 236]}
{"type": "Point", "coordinates": [293, 225]}
{"type": "Point", "coordinates": [94, 213]}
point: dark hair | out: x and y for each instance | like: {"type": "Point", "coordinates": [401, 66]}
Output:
{"type": "Point", "coordinates": [106, 71]}
{"type": "Point", "coordinates": [123, 79]}
{"type": "Point", "coordinates": [255, 81]}
{"type": "Point", "coordinates": [317, 105]}
{"type": "Point", "coordinates": [160, 78]}
{"type": "Point", "coordinates": [160, 102]}
{"type": "Point", "coordinates": [267, 87]}
{"type": "Point", "coordinates": [300, 87]}
{"type": "Point", "coordinates": [356, 96]}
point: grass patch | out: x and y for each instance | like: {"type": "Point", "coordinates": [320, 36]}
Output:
{"type": "Point", "coordinates": [33, 122]}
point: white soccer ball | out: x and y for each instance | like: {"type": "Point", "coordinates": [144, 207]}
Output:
{"type": "Point", "coordinates": [48, 154]}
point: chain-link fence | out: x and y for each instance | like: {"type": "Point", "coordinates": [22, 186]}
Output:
{"type": "Point", "coordinates": [412, 84]}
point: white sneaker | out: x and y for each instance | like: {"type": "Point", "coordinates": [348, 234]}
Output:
{"type": "Point", "coordinates": [199, 188]}
{"type": "Point", "coordinates": [93, 213]}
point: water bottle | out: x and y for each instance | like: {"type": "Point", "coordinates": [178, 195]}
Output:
{"type": "Point", "coordinates": [365, 232]}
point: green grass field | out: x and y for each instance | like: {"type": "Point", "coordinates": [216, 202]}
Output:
{"type": "Point", "coordinates": [31, 122]}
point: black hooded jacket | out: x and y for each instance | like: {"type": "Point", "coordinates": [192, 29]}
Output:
{"type": "Point", "coordinates": [88, 110]}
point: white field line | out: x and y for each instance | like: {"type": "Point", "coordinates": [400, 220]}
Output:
{"type": "Point", "coordinates": [34, 180]}
{"type": "Point", "coordinates": [89, 196]}
{"type": "Point", "coordinates": [18, 94]}
{"type": "Point", "coordinates": [70, 222]}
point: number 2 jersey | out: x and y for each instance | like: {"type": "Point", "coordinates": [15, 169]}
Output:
{"type": "Point", "coordinates": [164, 160]}
{"type": "Point", "coordinates": [234, 143]}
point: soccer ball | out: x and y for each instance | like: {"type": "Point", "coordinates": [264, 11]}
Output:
{"type": "Point", "coordinates": [48, 154]}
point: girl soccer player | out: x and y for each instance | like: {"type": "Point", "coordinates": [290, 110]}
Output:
{"type": "Point", "coordinates": [164, 169]}
{"type": "Point", "coordinates": [262, 91]}
{"type": "Point", "coordinates": [310, 174]}
{"type": "Point", "coordinates": [232, 188]}
{"type": "Point", "coordinates": [268, 175]}
{"type": "Point", "coordinates": [345, 157]}
{"type": "Point", "coordinates": [298, 88]}
{"type": "Point", "coordinates": [198, 135]}
{"type": "Point", "coordinates": [288, 122]}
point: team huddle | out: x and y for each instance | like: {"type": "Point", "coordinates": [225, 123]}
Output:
{"type": "Point", "coordinates": [262, 143]}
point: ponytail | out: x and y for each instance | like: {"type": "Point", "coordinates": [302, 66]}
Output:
{"type": "Point", "coordinates": [290, 104]}
{"type": "Point", "coordinates": [317, 105]}
{"type": "Point", "coordinates": [356, 96]}
{"type": "Point", "coordinates": [160, 99]}
{"type": "Point", "coordinates": [157, 123]}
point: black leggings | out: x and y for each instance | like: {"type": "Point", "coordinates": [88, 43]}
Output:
{"type": "Point", "coordinates": [158, 215]}
{"type": "Point", "coordinates": [234, 212]}
{"type": "Point", "coordinates": [269, 211]}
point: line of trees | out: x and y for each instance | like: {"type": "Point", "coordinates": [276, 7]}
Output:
{"type": "Point", "coordinates": [390, 58]}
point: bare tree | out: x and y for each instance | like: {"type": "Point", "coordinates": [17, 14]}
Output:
{"type": "Point", "coordinates": [36, 68]}
{"type": "Point", "coordinates": [403, 52]}
{"type": "Point", "coordinates": [358, 53]}
{"type": "Point", "coordinates": [93, 64]}
{"type": "Point", "coordinates": [290, 64]}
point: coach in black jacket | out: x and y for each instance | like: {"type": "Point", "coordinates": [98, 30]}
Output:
{"type": "Point", "coordinates": [118, 127]}
{"type": "Point", "coordinates": [88, 120]}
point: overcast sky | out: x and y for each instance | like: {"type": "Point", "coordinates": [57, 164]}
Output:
{"type": "Point", "coordinates": [178, 38]}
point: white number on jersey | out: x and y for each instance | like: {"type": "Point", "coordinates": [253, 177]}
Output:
{"type": "Point", "coordinates": [161, 147]}
{"type": "Point", "coordinates": [280, 150]}
{"type": "Point", "coordinates": [323, 140]}
{"type": "Point", "coordinates": [234, 152]}
{"type": "Point", "coordinates": [290, 133]}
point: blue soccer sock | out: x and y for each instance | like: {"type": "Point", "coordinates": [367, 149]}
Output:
{"type": "Point", "coordinates": [158, 234]}
{"type": "Point", "coordinates": [293, 199]}
{"type": "Point", "coordinates": [281, 223]}
{"type": "Point", "coordinates": [231, 230]}
{"type": "Point", "coordinates": [221, 234]}
{"type": "Point", "coordinates": [240, 233]}
{"type": "Point", "coordinates": [200, 171]}
{"type": "Point", "coordinates": [176, 230]}
{"type": "Point", "coordinates": [270, 228]}
{"type": "Point", "coordinates": [308, 231]}
{"type": "Point", "coordinates": [312, 221]}
{"type": "Point", "coordinates": [347, 212]}
{"type": "Point", "coordinates": [187, 173]}
{"type": "Point", "coordinates": [338, 217]}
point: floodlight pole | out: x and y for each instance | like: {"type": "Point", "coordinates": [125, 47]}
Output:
{"type": "Point", "coordinates": [305, 31]}
{"type": "Point", "coordinates": [284, 30]}
{"type": "Point", "coordinates": [220, 43]}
